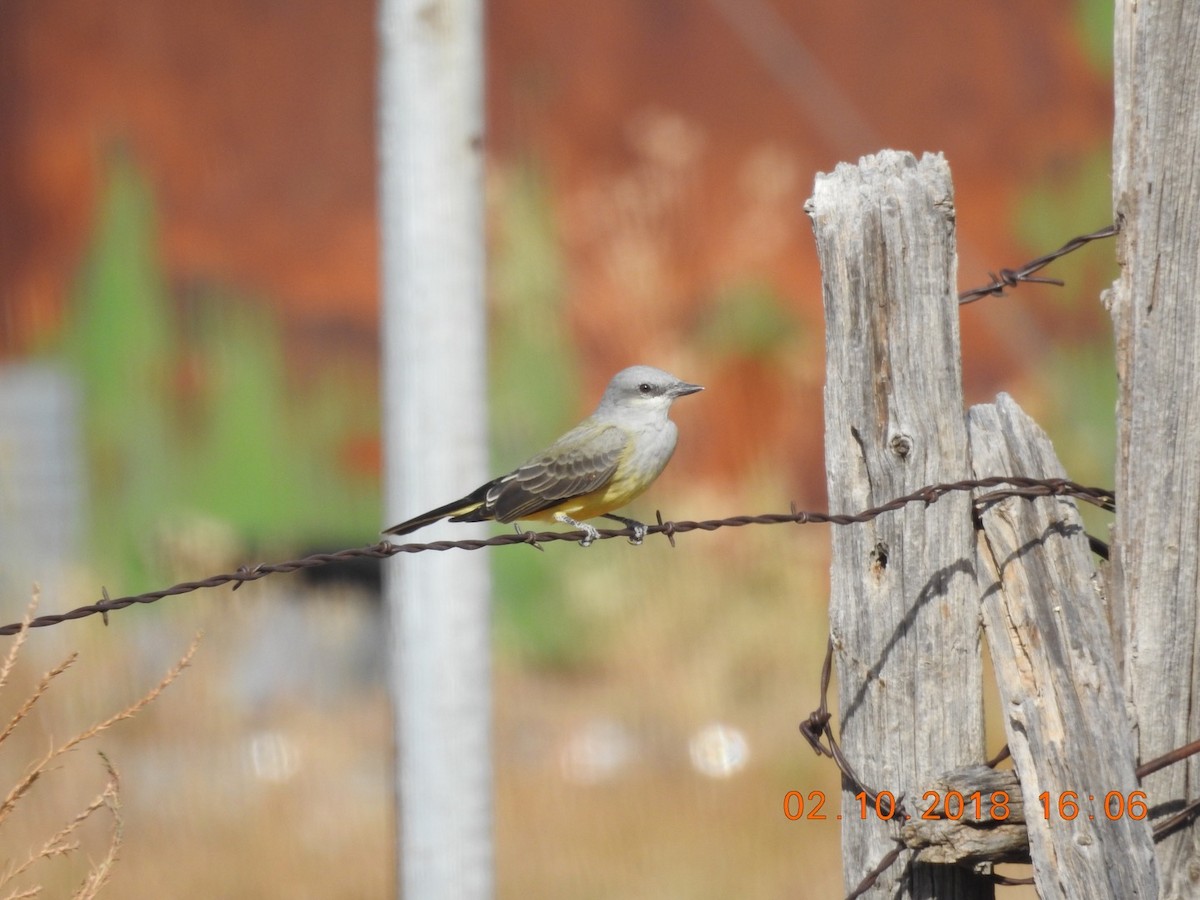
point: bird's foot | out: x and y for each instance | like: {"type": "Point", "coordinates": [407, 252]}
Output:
{"type": "Point", "coordinates": [590, 533]}
{"type": "Point", "coordinates": [639, 528]}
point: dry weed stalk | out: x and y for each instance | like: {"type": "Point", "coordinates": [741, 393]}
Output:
{"type": "Point", "coordinates": [65, 840]}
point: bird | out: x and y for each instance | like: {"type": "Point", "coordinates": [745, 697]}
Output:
{"type": "Point", "coordinates": [598, 466]}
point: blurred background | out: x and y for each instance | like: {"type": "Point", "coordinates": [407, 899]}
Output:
{"type": "Point", "coordinates": [189, 382]}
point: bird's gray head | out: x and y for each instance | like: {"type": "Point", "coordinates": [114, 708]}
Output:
{"type": "Point", "coordinates": [644, 389]}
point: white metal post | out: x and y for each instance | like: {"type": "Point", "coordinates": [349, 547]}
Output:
{"type": "Point", "coordinates": [434, 363]}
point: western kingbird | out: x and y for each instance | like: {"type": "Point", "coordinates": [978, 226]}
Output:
{"type": "Point", "coordinates": [598, 466]}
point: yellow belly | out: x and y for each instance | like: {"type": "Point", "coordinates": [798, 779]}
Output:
{"type": "Point", "coordinates": [612, 496]}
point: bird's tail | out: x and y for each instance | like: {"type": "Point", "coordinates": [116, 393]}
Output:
{"type": "Point", "coordinates": [467, 509]}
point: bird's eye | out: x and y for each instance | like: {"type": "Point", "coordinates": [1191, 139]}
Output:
{"type": "Point", "coordinates": [645, 387]}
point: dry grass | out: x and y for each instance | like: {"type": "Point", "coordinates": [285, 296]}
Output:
{"type": "Point", "coordinates": [19, 878]}
{"type": "Point", "coordinates": [727, 629]}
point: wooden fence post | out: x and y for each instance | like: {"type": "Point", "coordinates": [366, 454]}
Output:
{"type": "Point", "coordinates": [1065, 713]}
{"type": "Point", "coordinates": [904, 610]}
{"type": "Point", "coordinates": [1155, 583]}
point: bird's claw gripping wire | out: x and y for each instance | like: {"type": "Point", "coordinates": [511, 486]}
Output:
{"type": "Point", "coordinates": [639, 529]}
{"type": "Point", "coordinates": [590, 533]}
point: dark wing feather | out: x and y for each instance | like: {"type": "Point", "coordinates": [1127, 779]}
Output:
{"type": "Point", "coordinates": [466, 507]}
{"type": "Point", "coordinates": [572, 466]}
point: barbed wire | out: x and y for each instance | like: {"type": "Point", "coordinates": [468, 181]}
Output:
{"type": "Point", "coordinates": [1011, 278]}
{"type": "Point", "coordinates": [1006, 278]}
{"type": "Point", "coordinates": [1018, 487]}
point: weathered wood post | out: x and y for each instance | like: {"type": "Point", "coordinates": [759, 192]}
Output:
{"type": "Point", "coordinates": [1066, 718]}
{"type": "Point", "coordinates": [1155, 303]}
{"type": "Point", "coordinates": [904, 609]}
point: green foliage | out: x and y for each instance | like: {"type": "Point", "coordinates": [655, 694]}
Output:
{"type": "Point", "coordinates": [747, 318]}
{"type": "Point", "coordinates": [1082, 390]}
{"type": "Point", "coordinates": [203, 423]}
{"type": "Point", "coordinates": [121, 344]}
{"type": "Point", "coordinates": [263, 457]}
{"type": "Point", "coordinates": [1094, 19]}
{"type": "Point", "coordinates": [535, 387]}
{"type": "Point", "coordinates": [535, 394]}
{"type": "Point", "coordinates": [1078, 380]}
{"type": "Point", "coordinates": [1080, 394]}
{"type": "Point", "coordinates": [1066, 202]}
{"type": "Point", "coordinates": [534, 618]}
{"type": "Point", "coordinates": [1076, 192]}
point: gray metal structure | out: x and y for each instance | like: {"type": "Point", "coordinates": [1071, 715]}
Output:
{"type": "Point", "coordinates": [435, 425]}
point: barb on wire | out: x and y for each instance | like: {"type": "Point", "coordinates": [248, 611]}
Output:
{"type": "Point", "coordinates": [1011, 278]}
{"type": "Point", "coordinates": [1020, 487]}
{"type": "Point", "coordinates": [819, 734]}
{"type": "Point", "coordinates": [818, 731]}
{"type": "Point", "coordinates": [871, 877]}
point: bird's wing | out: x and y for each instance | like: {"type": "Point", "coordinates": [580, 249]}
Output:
{"type": "Point", "coordinates": [581, 461]}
